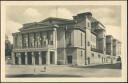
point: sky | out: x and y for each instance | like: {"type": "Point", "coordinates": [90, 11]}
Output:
{"type": "Point", "coordinates": [109, 15]}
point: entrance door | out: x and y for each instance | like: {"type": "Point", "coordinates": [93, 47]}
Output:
{"type": "Point", "coordinates": [16, 59]}
{"type": "Point", "coordinates": [36, 58]}
{"type": "Point", "coordinates": [43, 57]}
{"type": "Point", "coordinates": [29, 57]}
{"type": "Point", "coordinates": [52, 58]}
{"type": "Point", "coordinates": [22, 58]}
{"type": "Point", "coordinates": [69, 59]}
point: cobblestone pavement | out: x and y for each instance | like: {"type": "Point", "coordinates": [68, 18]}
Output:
{"type": "Point", "coordinates": [106, 70]}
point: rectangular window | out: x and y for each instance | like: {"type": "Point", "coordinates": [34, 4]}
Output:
{"type": "Point", "coordinates": [68, 38]}
{"type": "Point", "coordinates": [81, 39]}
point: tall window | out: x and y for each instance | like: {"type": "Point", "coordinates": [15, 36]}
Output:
{"type": "Point", "coordinates": [81, 39]}
{"type": "Point", "coordinates": [68, 38]}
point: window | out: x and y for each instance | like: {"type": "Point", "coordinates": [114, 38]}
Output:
{"type": "Point", "coordinates": [81, 39]}
{"type": "Point", "coordinates": [68, 38]}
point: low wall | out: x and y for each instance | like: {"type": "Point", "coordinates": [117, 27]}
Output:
{"type": "Point", "coordinates": [99, 58]}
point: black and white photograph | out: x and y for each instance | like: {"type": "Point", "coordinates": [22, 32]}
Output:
{"type": "Point", "coordinates": [63, 40]}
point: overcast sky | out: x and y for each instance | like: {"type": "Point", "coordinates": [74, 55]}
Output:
{"type": "Point", "coordinates": [110, 16]}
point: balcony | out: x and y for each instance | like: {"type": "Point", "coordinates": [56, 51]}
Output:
{"type": "Point", "coordinates": [96, 50]}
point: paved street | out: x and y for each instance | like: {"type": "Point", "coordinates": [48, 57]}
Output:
{"type": "Point", "coordinates": [106, 70]}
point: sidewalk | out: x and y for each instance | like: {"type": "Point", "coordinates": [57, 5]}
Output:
{"type": "Point", "coordinates": [31, 69]}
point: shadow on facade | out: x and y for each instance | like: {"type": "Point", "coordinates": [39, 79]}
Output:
{"type": "Point", "coordinates": [40, 75]}
{"type": "Point", "coordinates": [104, 66]}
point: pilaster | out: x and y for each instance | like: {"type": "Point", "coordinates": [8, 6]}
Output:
{"type": "Point", "coordinates": [26, 58]}
{"type": "Point", "coordinates": [13, 58]}
{"type": "Point", "coordinates": [33, 58]}
{"type": "Point", "coordinates": [40, 58]}
{"type": "Point", "coordinates": [48, 57]}
{"type": "Point", "coordinates": [19, 58]}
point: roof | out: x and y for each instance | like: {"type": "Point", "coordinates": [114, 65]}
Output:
{"type": "Point", "coordinates": [51, 21]}
{"type": "Point", "coordinates": [57, 19]}
{"type": "Point", "coordinates": [48, 22]}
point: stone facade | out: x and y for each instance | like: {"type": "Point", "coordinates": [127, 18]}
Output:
{"type": "Point", "coordinates": [80, 41]}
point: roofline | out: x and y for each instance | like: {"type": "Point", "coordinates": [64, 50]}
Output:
{"type": "Point", "coordinates": [63, 19]}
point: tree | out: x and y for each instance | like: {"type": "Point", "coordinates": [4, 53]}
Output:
{"type": "Point", "coordinates": [8, 47]}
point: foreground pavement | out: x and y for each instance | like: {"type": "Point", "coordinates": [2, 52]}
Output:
{"type": "Point", "coordinates": [106, 70]}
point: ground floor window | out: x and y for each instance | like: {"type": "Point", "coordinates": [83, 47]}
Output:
{"type": "Point", "coordinates": [69, 58]}
{"type": "Point", "coordinates": [52, 57]}
{"type": "Point", "coordinates": [29, 57]}
{"type": "Point", "coordinates": [36, 58]}
{"type": "Point", "coordinates": [22, 59]}
{"type": "Point", "coordinates": [43, 56]}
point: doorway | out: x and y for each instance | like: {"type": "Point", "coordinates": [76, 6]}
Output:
{"type": "Point", "coordinates": [23, 58]}
{"type": "Point", "coordinates": [36, 58]}
{"type": "Point", "coordinates": [69, 58]}
{"type": "Point", "coordinates": [52, 57]}
{"type": "Point", "coordinates": [43, 57]}
{"type": "Point", "coordinates": [29, 57]}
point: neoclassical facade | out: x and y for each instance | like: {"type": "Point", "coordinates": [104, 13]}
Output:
{"type": "Point", "coordinates": [80, 41]}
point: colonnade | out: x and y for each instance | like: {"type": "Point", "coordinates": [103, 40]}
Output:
{"type": "Point", "coordinates": [34, 58]}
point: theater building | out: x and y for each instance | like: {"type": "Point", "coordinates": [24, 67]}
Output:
{"type": "Point", "coordinates": [60, 41]}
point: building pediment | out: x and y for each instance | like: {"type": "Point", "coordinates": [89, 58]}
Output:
{"type": "Point", "coordinates": [48, 22]}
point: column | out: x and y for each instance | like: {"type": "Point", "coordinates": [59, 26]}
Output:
{"type": "Point", "coordinates": [26, 58]}
{"type": "Point", "coordinates": [13, 58]}
{"type": "Point", "coordinates": [19, 58]}
{"type": "Point", "coordinates": [33, 58]}
{"type": "Point", "coordinates": [55, 38]}
{"type": "Point", "coordinates": [40, 58]}
{"type": "Point", "coordinates": [55, 55]}
{"type": "Point", "coordinates": [48, 57]}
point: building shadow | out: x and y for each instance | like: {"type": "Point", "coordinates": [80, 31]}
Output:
{"type": "Point", "coordinates": [39, 75]}
{"type": "Point", "coordinates": [102, 66]}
